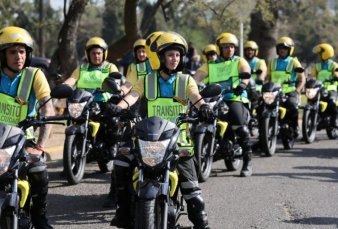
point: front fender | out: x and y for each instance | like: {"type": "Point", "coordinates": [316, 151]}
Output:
{"type": "Point", "coordinates": [151, 189]}
{"type": "Point", "coordinates": [24, 187]}
{"type": "Point", "coordinates": [75, 129]}
{"type": "Point", "coordinates": [203, 128]}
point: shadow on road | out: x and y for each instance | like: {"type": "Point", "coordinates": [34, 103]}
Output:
{"type": "Point", "coordinates": [315, 221]}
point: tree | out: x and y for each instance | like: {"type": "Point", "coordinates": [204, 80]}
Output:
{"type": "Point", "coordinates": [132, 32]}
{"type": "Point", "coordinates": [65, 59]}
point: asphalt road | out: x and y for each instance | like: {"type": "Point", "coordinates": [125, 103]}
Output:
{"type": "Point", "coordinates": [292, 189]}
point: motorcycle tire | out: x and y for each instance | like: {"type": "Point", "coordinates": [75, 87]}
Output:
{"type": "Point", "coordinates": [9, 219]}
{"type": "Point", "coordinates": [203, 156]}
{"type": "Point", "coordinates": [268, 135]}
{"type": "Point", "coordinates": [73, 163]}
{"type": "Point", "coordinates": [148, 214]}
{"type": "Point", "coordinates": [309, 125]}
{"type": "Point", "coordinates": [106, 166]}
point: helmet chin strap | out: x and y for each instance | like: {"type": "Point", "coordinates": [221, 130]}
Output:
{"type": "Point", "coordinates": [12, 70]}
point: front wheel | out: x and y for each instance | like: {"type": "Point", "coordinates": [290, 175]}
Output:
{"type": "Point", "coordinates": [8, 219]}
{"type": "Point", "coordinates": [268, 135]}
{"type": "Point", "coordinates": [203, 156]}
{"type": "Point", "coordinates": [148, 214]}
{"type": "Point", "coordinates": [309, 125]}
{"type": "Point", "coordinates": [73, 161]}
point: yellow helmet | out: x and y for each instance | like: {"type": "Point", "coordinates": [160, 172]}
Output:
{"type": "Point", "coordinates": [208, 49]}
{"type": "Point", "coordinates": [12, 35]}
{"type": "Point", "coordinates": [251, 45]}
{"type": "Point", "coordinates": [139, 43]}
{"type": "Point", "coordinates": [96, 42]}
{"type": "Point", "coordinates": [225, 38]}
{"type": "Point", "coordinates": [152, 56]}
{"type": "Point", "coordinates": [324, 50]}
{"type": "Point", "coordinates": [286, 42]}
{"type": "Point", "coordinates": [167, 41]}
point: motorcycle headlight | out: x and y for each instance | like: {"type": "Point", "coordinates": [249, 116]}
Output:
{"type": "Point", "coordinates": [153, 152]}
{"type": "Point", "coordinates": [5, 158]}
{"type": "Point", "coordinates": [269, 97]}
{"type": "Point", "coordinates": [76, 109]}
{"type": "Point", "coordinates": [311, 92]}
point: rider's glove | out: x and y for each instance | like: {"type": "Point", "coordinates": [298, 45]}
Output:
{"type": "Point", "coordinates": [240, 88]}
{"type": "Point", "coordinates": [205, 112]}
{"type": "Point", "coordinates": [112, 109]}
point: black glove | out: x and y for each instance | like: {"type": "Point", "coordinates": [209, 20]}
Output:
{"type": "Point", "coordinates": [240, 88]}
{"type": "Point", "coordinates": [112, 109]}
{"type": "Point", "coordinates": [205, 113]}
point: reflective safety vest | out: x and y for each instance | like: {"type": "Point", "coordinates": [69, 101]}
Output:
{"type": "Point", "coordinates": [326, 74]}
{"type": "Point", "coordinates": [142, 69]}
{"type": "Point", "coordinates": [168, 108]}
{"type": "Point", "coordinates": [226, 74]}
{"type": "Point", "coordinates": [255, 63]}
{"type": "Point", "coordinates": [281, 76]}
{"type": "Point", "coordinates": [15, 109]}
{"type": "Point", "coordinates": [92, 79]}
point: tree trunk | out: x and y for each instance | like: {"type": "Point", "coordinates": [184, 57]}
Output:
{"type": "Point", "coordinates": [264, 31]}
{"type": "Point", "coordinates": [125, 44]}
{"type": "Point", "coordinates": [65, 59]}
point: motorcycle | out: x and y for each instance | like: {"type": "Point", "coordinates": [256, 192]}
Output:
{"type": "Point", "coordinates": [15, 195]}
{"type": "Point", "coordinates": [315, 114]}
{"type": "Point", "coordinates": [156, 199]}
{"type": "Point", "coordinates": [213, 140]}
{"type": "Point", "coordinates": [272, 119]}
{"type": "Point", "coordinates": [90, 135]}
{"type": "Point", "coordinates": [14, 186]}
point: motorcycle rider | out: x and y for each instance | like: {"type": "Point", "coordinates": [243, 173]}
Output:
{"type": "Point", "coordinates": [141, 66]}
{"type": "Point", "coordinates": [287, 68]}
{"type": "Point", "coordinates": [327, 69]}
{"type": "Point", "coordinates": [258, 74]}
{"type": "Point", "coordinates": [21, 87]}
{"type": "Point", "coordinates": [168, 51]}
{"type": "Point", "coordinates": [258, 68]}
{"type": "Point", "coordinates": [209, 53]}
{"type": "Point", "coordinates": [89, 76]}
{"type": "Point", "coordinates": [233, 73]}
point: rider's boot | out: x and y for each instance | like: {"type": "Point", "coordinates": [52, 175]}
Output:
{"type": "Point", "coordinates": [247, 164]}
{"type": "Point", "coordinates": [122, 216]}
{"type": "Point", "coordinates": [243, 139]}
{"type": "Point", "coordinates": [196, 212]}
{"type": "Point", "coordinates": [39, 190]}
{"type": "Point", "coordinates": [110, 201]}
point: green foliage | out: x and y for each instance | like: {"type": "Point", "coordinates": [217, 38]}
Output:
{"type": "Point", "coordinates": [112, 20]}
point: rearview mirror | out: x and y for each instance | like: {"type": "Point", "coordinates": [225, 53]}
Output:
{"type": "Point", "coordinates": [211, 91]}
{"type": "Point", "coordinates": [109, 85]}
{"type": "Point", "coordinates": [118, 77]}
{"type": "Point", "coordinates": [61, 91]}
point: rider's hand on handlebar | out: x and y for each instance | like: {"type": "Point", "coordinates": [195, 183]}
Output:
{"type": "Point", "coordinates": [112, 109]}
{"type": "Point", "coordinates": [205, 112]}
{"type": "Point", "coordinates": [240, 88]}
